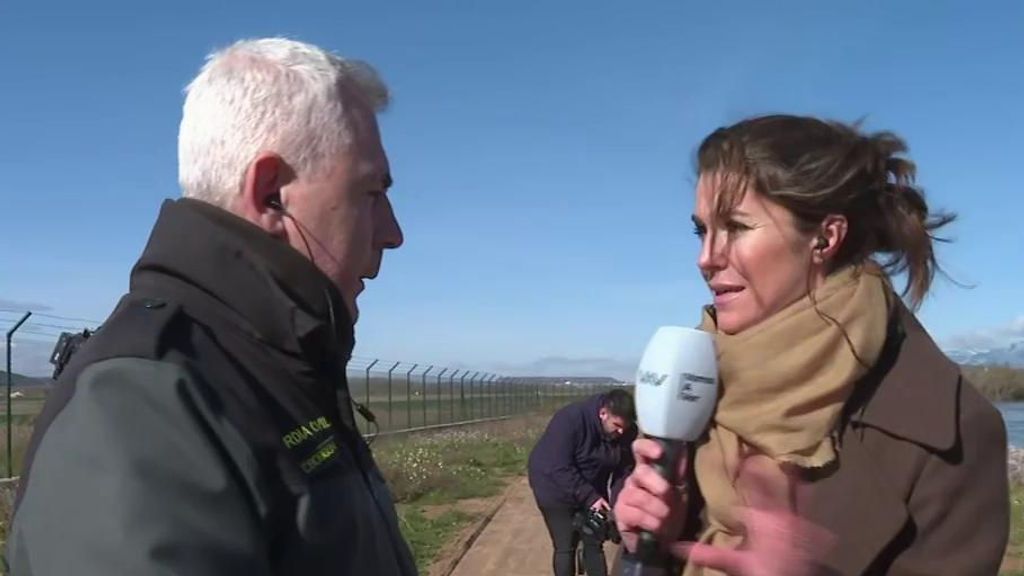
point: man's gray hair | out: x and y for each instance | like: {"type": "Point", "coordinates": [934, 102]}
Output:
{"type": "Point", "coordinates": [269, 94]}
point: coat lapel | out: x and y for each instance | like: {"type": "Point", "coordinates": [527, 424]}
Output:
{"type": "Point", "coordinates": [858, 508]}
{"type": "Point", "coordinates": [908, 402]}
{"type": "Point", "coordinates": [862, 500]}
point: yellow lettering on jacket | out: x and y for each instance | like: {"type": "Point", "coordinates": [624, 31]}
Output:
{"type": "Point", "coordinates": [306, 431]}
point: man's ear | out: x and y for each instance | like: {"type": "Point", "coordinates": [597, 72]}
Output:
{"type": "Point", "coordinates": [260, 201]}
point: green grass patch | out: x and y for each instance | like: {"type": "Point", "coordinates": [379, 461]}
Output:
{"type": "Point", "coordinates": [429, 474]}
{"type": "Point", "coordinates": [427, 535]}
{"type": "Point", "coordinates": [453, 465]}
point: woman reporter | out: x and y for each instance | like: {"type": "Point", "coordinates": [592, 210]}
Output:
{"type": "Point", "coordinates": [826, 375]}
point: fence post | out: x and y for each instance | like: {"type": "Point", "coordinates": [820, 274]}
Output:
{"type": "Point", "coordinates": [502, 398]}
{"type": "Point", "coordinates": [490, 395]}
{"type": "Point", "coordinates": [491, 405]}
{"type": "Point", "coordinates": [483, 394]}
{"type": "Point", "coordinates": [451, 397]}
{"type": "Point", "coordinates": [462, 395]}
{"type": "Point", "coordinates": [408, 396]}
{"type": "Point", "coordinates": [423, 379]}
{"type": "Point", "coordinates": [472, 399]}
{"type": "Point", "coordinates": [440, 411]}
{"type": "Point", "coordinates": [390, 405]}
{"type": "Point", "coordinates": [10, 334]}
{"type": "Point", "coordinates": [367, 381]}
{"type": "Point", "coordinates": [508, 396]}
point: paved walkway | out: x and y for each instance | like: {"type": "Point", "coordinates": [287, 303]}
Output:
{"type": "Point", "coordinates": [516, 542]}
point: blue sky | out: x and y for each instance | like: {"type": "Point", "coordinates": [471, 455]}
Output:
{"type": "Point", "coordinates": [542, 154]}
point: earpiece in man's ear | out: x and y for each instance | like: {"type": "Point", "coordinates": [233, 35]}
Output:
{"type": "Point", "coordinates": [821, 244]}
{"type": "Point", "coordinates": [274, 203]}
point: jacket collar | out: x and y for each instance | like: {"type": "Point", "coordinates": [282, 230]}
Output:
{"type": "Point", "coordinates": [909, 377]}
{"type": "Point", "coordinates": [272, 291]}
{"type": "Point", "coordinates": [906, 396]}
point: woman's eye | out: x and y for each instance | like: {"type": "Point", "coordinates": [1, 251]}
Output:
{"type": "Point", "coordinates": [733, 227]}
{"type": "Point", "coordinates": [699, 231]}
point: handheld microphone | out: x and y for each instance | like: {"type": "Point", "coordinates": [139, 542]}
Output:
{"type": "Point", "coordinates": [676, 392]}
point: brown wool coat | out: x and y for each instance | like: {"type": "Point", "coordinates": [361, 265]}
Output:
{"type": "Point", "coordinates": [920, 487]}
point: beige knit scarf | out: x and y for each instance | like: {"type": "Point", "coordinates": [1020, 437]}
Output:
{"type": "Point", "coordinates": [783, 386]}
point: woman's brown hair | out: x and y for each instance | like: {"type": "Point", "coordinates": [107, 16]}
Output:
{"type": "Point", "coordinates": [815, 168]}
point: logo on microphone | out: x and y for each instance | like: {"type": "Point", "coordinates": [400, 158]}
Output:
{"type": "Point", "coordinates": [697, 378]}
{"type": "Point", "coordinates": [686, 391]}
{"type": "Point", "coordinates": [652, 378]}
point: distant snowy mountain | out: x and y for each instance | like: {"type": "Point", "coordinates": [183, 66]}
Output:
{"type": "Point", "coordinates": [1011, 354]}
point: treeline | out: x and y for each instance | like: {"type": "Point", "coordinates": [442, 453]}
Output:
{"type": "Point", "coordinates": [997, 383]}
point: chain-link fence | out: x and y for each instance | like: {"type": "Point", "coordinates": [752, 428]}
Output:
{"type": "Point", "coordinates": [408, 396]}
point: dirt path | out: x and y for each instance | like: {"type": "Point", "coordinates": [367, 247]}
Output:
{"type": "Point", "coordinates": [515, 542]}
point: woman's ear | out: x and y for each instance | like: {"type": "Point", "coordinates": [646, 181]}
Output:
{"type": "Point", "coordinates": [829, 238]}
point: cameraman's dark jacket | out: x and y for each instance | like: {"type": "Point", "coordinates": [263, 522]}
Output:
{"type": "Point", "coordinates": [199, 430]}
{"type": "Point", "coordinates": [574, 463]}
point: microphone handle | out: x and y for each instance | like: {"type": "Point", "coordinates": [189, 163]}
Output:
{"type": "Point", "coordinates": [648, 549]}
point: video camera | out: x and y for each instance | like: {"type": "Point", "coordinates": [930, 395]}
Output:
{"type": "Point", "coordinates": [597, 524]}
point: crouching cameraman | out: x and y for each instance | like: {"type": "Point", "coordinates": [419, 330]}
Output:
{"type": "Point", "coordinates": [576, 470]}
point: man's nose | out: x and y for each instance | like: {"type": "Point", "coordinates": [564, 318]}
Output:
{"type": "Point", "coordinates": [390, 232]}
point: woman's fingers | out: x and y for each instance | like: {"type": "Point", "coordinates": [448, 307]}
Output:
{"type": "Point", "coordinates": [647, 478]}
{"type": "Point", "coordinates": [634, 519]}
{"type": "Point", "coordinates": [646, 450]}
{"type": "Point", "coordinates": [649, 503]}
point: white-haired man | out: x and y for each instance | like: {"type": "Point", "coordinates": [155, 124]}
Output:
{"type": "Point", "coordinates": [207, 427]}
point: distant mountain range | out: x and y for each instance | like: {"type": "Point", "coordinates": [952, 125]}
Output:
{"type": "Point", "coordinates": [1011, 354]}
{"type": "Point", "coordinates": [22, 381]}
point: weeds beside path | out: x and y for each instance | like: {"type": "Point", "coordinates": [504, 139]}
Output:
{"type": "Point", "coordinates": [446, 481]}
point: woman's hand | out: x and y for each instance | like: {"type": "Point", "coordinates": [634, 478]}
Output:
{"type": "Point", "coordinates": [777, 541]}
{"type": "Point", "coordinates": [647, 501]}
